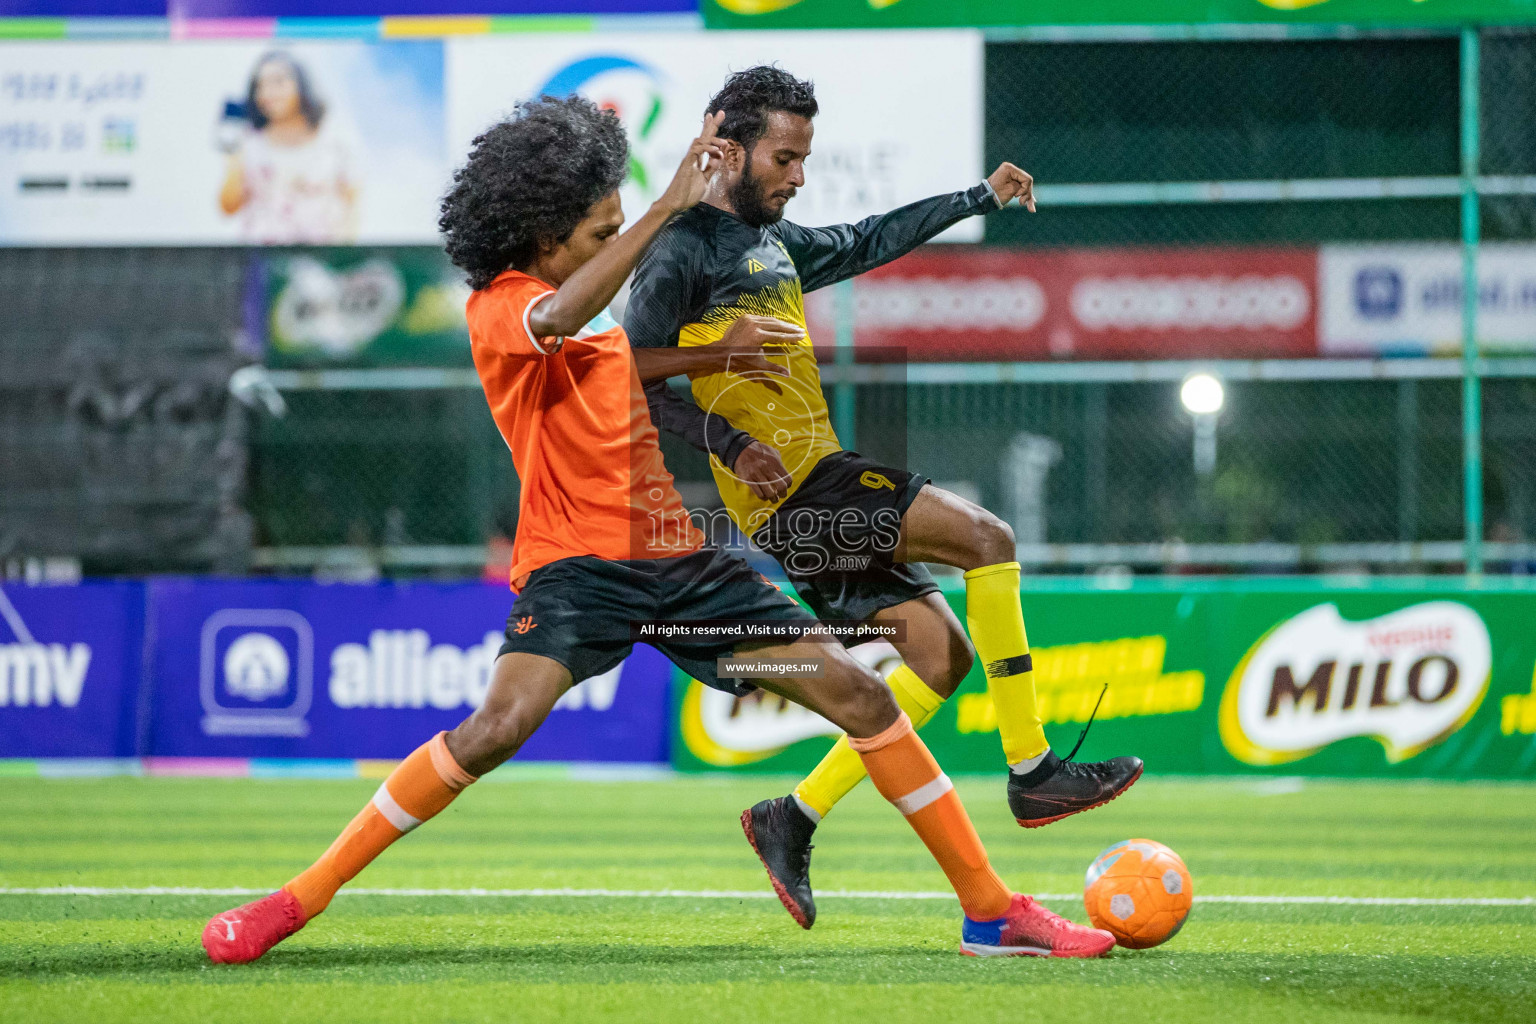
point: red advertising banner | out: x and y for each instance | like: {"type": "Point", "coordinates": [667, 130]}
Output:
{"type": "Point", "coordinates": [952, 303]}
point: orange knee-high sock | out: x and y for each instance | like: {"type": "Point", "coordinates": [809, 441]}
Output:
{"type": "Point", "coordinates": [421, 786]}
{"type": "Point", "coordinates": [906, 774]}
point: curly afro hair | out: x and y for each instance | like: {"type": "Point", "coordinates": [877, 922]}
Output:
{"type": "Point", "coordinates": [749, 96]}
{"type": "Point", "coordinates": [529, 181]}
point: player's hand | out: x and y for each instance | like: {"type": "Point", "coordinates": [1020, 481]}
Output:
{"type": "Point", "coordinates": [1010, 183]}
{"type": "Point", "coordinates": [760, 468]}
{"type": "Point", "coordinates": [741, 347]}
{"type": "Point", "coordinates": [699, 165]}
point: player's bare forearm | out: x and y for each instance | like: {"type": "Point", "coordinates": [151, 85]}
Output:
{"type": "Point", "coordinates": [659, 363]}
{"type": "Point", "coordinates": [740, 350]}
{"type": "Point", "coordinates": [588, 291]}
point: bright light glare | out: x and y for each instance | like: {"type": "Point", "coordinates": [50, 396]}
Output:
{"type": "Point", "coordinates": [1202, 394]}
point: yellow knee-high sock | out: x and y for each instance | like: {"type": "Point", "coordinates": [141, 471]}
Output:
{"type": "Point", "coordinates": [996, 622]}
{"type": "Point", "coordinates": [842, 769]}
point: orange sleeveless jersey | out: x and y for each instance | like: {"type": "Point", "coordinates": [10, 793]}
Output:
{"type": "Point", "coordinates": [593, 482]}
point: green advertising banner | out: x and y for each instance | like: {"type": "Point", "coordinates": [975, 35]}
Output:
{"type": "Point", "coordinates": [1007, 13]}
{"type": "Point", "coordinates": [1282, 677]}
{"type": "Point", "coordinates": [365, 307]}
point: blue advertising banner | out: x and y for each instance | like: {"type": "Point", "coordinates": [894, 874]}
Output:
{"type": "Point", "coordinates": [71, 658]}
{"type": "Point", "coordinates": [298, 669]}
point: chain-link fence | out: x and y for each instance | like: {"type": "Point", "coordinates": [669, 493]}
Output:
{"type": "Point", "coordinates": [1228, 111]}
{"type": "Point", "coordinates": [1320, 475]}
{"type": "Point", "coordinates": [1142, 147]}
{"type": "Point", "coordinates": [1307, 474]}
{"type": "Point", "coordinates": [416, 467]}
{"type": "Point", "coordinates": [120, 444]}
{"type": "Point", "coordinates": [1237, 149]}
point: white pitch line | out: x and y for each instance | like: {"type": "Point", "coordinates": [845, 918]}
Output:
{"type": "Point", "coordinates": [754, 894]}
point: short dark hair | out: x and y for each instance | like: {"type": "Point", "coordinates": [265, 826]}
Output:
{"type": "Point", "coordinates": [310, 105]}
{"type": "Point", "coordinates": [749, 96]}
{"type": "Point", "coordinates": [528, 182]}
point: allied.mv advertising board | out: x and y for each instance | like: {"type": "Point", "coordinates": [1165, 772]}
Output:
{"type": "Point", "coordinates": [1384, 300]}
{"type": "Point", "coordinates": [71, 662]}
{"type": "Point", "coordinates": [291, 669]}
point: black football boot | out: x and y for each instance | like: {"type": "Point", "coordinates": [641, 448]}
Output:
{"type": "Point", "coordinates": [780, 833]}
{"type": "Point", "coordinates": [1059, 788]}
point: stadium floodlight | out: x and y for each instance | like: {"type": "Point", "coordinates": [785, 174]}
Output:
{"type": "Point", "coordinates": [1202, 394]}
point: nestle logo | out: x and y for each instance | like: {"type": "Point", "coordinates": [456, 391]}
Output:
{"type": "Point", "coordinates": [1378, 293]}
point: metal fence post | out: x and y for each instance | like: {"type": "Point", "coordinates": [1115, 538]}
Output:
{"type": "Point", "coordinates": [1471, 385]}
{"type": "Point", "coordinates": [1407, 460]}
{"type": "Point", "coordinates": [844, 395]}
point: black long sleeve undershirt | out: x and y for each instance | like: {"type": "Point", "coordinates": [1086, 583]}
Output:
{"type": "Point", "coordinates": [675, 278]}
{"type": "Point", "coordinates": [678, 415]}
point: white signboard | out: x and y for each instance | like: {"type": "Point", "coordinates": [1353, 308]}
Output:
{"type": "Point", "coordinates": [1406, 299]}
{"type": "Point", "coordinates": [900, 111]}
{"type": "Point", "coordinates": [221, 142]}
{"type": "Point", "coordinates": [340, 142]}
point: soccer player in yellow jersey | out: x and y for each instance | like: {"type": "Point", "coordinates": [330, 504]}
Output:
{"type": "Point", "coordinates": [850, 533]}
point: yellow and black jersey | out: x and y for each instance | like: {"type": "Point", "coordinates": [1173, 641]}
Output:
{"type": "Point", "coordinates": [707, 268]}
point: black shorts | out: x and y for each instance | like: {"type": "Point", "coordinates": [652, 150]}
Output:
{"type": "Point", "coordinates": [836, 535]}
{"type": "Point", "coordinates": [580, 611]}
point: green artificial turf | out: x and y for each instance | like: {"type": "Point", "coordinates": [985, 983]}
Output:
{"type": "Point", "coordinates": [696, 959]}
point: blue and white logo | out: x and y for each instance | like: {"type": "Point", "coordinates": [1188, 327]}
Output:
{"type": "Point", "coordinates": [256, 672]}
{"type": "Point", "coordinates": [1379, 293]}
{"type": "Point", "coordinates": [256, 667]}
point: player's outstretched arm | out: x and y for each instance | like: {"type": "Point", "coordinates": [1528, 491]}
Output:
{"type": "Point", "coordinates": [742, 349]}
{"type": "Point", "coordinates": [588, 291]}
{"type": "Point", "coordinates": [827, 255]}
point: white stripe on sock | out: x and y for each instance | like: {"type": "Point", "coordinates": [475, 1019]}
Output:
{"type": "Point", "coordinates": [923, 795]}
{"type": "Point", "coordinates": [807, 810]}
{"type": "Point", "coordinates": [1029, 764]}
{"type": "Point", "coordinates": [393, 812]}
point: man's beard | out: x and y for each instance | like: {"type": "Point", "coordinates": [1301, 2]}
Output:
{"type": "Point", "coordinates": [750, 203]}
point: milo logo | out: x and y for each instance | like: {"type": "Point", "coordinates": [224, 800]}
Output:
{"type": "Point", "coordinates": [1407, 679]}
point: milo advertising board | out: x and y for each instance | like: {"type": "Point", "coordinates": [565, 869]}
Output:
{"type": "Point", "coordinates": [365, 307]}
{"type": "Point", "coordinates": [1284, 677]}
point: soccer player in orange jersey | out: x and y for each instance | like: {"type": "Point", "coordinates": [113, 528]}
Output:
{"type": "Point", "coordinates": [603, 542]}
